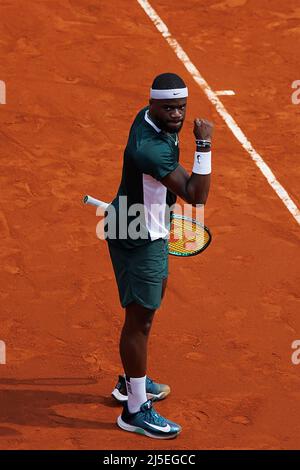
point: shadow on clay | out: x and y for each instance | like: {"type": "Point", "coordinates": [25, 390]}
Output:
{"type": "Point", "coordinates": [36, 407]}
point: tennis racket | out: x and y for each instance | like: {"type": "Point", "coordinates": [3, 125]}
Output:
{"type": "Point", "coordinates": [188, 236]}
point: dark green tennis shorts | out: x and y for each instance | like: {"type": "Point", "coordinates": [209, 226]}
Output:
{"type": "Point", "coordinates": [140, 272]}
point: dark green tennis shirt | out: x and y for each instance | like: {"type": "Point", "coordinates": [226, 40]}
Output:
{"type": "Point", "coordinates": [149, 156]}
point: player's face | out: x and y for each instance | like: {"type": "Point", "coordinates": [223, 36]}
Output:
{"type": "Point", "coordinates": [169, 115]}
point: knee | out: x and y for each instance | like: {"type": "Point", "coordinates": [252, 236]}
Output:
{"type": "Point", "coordinates": [146, 327]}
{"type": "Point", "coordinates": [139, 323]}
{"type": "Point", "coordinates": [141, 327]}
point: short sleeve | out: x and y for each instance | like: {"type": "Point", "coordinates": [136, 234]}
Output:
{"type": "Point", "coordinates": [156, 159]}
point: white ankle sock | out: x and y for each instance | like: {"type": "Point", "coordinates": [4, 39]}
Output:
{"type": "Point", "coordinates": [136, 391]}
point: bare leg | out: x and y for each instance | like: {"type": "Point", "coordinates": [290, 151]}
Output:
{"type": "Point", "coordinates": [134, 338]}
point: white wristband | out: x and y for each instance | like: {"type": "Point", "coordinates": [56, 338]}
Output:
{"type": "Point", "coordinates": [202, 163]}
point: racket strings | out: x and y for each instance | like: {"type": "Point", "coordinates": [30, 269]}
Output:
{"type": "Point", "coordinates": [187, 237]}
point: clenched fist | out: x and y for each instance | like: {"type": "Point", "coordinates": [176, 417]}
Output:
{"type": "Point", "coordinates": [203, 129]}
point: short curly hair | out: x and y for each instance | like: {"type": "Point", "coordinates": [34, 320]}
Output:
{"type": "Point", "coordinates": [168, 81]}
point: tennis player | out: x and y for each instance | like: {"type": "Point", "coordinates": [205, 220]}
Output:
{"type": "Point", "coordinates": [152, 176]}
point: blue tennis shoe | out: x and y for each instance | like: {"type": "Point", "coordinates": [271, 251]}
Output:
{"type": "Point", "coordinates": [148, 422]}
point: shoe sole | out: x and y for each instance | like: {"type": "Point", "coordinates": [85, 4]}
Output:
{"type": "Point", "coordinates": [122, 398]}
{"type": "Point", "coordinates": [137, 430]}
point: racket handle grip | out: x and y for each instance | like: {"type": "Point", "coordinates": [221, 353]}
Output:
{"type": "Point", "coordinates": [95, 202]}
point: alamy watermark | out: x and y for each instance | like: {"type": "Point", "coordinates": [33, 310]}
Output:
{"type": "Point", "coordinates": [137, 221]}
{"type": "Point", "coordinates": [2, 92]}
{"type": "Point", "coordinates": [296, 94]}
{"type": "Point", "coordinates": [2, 352]}
{"type": "Point", "coordinates": [296, 354]}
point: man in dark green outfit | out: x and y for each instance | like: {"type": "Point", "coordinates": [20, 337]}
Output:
{"type": "Point", "coordinates": [152, 178]}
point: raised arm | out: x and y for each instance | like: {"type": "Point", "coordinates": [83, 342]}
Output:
{"type": "Point", "coordinates": [194, 188]}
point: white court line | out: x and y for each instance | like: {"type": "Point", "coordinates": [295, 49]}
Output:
{"type": "Point", "coordinates": [233, 126]}
{"type": "Point", "coordinates": [225, 93]}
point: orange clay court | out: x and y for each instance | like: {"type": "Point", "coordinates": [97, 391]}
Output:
{"type": "Point", "coordinates": [76, 73]}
